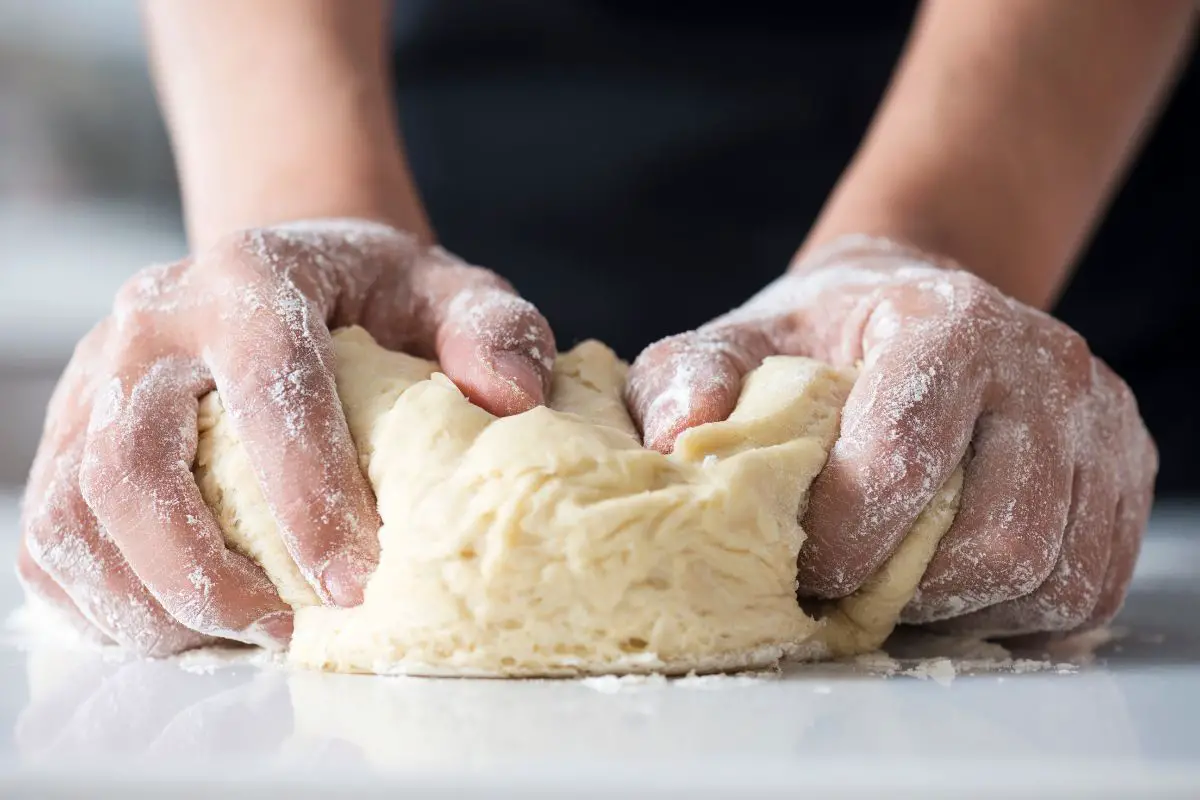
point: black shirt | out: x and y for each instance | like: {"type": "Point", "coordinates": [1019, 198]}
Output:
{"type": "Point", "coordinates": [637, 168]}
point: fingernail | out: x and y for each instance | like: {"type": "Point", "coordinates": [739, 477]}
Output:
{"type": "Point", "coordinates": [520, 371]}
{"type": "Point", "coordinates": [272, 631]}
{"type": "Point", "coordinates": [344, 578]}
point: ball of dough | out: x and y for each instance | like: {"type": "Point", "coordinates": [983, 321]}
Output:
{"type": "Point", "coordinates": [552, 543]}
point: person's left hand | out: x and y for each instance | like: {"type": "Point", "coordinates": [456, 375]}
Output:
{"type": "Point", "coordinates": [1059, 480]}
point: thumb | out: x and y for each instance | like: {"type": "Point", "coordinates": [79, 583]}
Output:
{"type": "Point", "coordinates": [690, 379]}
{"type": "Point", "coordinates": [495, 345]}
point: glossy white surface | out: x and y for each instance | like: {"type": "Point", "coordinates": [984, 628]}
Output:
{"type": "Point", "coordinates": [1125, 726]}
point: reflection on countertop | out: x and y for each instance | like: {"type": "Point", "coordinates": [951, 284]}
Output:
{"type": "Point", "coordinates": [1119, 724]}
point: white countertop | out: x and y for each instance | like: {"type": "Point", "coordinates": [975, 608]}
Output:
{"type": "Point", "coordinates": [1127, 725]}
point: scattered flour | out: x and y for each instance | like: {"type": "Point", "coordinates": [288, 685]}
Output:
{"type": "Point", "coordinates": [207, 660]}
{"type": "Point", "coordinates": [38, 624]}
{"type": "Point", "coordinates": [940, 670]}
{"type": "Point", "coordinates": [720, 681]}
{"type": "Point", "coordinates": [612, 684]}
{"type": "Point", "coordinates": [913, 654]}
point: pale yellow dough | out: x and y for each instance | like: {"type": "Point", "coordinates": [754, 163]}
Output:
{"type": "Point", "coordinates": [552, 543]}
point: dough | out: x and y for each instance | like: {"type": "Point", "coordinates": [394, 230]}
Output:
{"type": "Point", "coordinates": [552, 543]}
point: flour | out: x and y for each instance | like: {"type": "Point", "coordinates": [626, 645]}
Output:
{"type": "Point", "coordinates": [207, 660]}
{"type": "Point", "coordinates": [940, 670]}
{"type": "Point", "coordinates": [948, 365]}
{"type": "Point", "coordinates": [37, 624]}
{"type": "Point", "coordinates": [725, 681]}
{"type": "Point", "coordinates": [613, 684]}
{"type": "Point", "coordinates": [1040, 487]}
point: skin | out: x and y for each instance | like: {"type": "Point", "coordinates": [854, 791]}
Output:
{"type": "Point", "coordinates": [1005, 129]}
{"type": "Point", "coordinates": [114, 530]}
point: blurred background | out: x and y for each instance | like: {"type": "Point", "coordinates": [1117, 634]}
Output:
{"type": "Point", "coordinates": [722, 163]}
{"type": "Point", "coordinates": [87, 192]}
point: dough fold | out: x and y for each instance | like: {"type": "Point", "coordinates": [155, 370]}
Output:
{"type": "Point", "coordinates": [551, 543]}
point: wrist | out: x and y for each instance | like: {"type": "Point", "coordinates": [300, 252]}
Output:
{"type": "Point", "coordinates": [236, 182]}
{"type": "Point", "coordinates": [281, 110]}
{"type": "Point", "coordinates": [818, 254]}
{"type": "Point", "coordinates": [941, 209]}
{"type": "Point", "coordinates": [287, 193]}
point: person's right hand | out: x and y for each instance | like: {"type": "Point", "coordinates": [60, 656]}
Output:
{"type": "Point", "coordinates": [114, 530]}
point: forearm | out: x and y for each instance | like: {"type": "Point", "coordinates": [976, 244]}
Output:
{"type": "Point", "coordinates": [280, 110]}
{"type": "Point", "coordinates": [1005, 130]}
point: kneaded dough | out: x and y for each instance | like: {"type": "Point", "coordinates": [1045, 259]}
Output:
{"type": "Point", "coordinates": [551, 543]}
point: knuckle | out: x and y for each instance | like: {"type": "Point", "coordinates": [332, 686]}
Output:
{"type": "Point", "coordinates": [106, 477]}
{"type": "Point", "coordinates": [284, 376]}
{"type": "Point", "coordinates": [655, 367]}
{"type": "Point", "coordinates": [51, 536]}
{"type": "Point", "coordinates": [1073, 612]}
{"type": "Point", "coordinates": [496, 317]}
{"type": "Point", "coordinates": [1118, 397]}
{"type": "Point", "coordinates": [1062, 604]}
{"type": "Point", "coordinates": [245, 257]}
{"type": "Point", "coordinates": [40, 537]}
{"type": "Point", "coordinates": [149, 285]}
{"type": "Point", "coordinates": [661, 351]}
{"type": "Point", "coordinates": [236, 245]}
{"type": "Point", "coordinates": [92, 345]}
{"type": "Point", "coordinates": [95, 478]}
{"type": "Point", "coordinates": [1074, 363]}
{"type": "Point", "coordinates": [29, 573]}
{"type": "Point", "coordinates": [1007, 560]}
{"type": "Point", "coordinates": [972, 299]}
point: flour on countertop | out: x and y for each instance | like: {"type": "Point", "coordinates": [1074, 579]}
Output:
{"type": "Point", "coordinates": [723, 681]}
{"type": "Point", "coordinates": [914, 654]}
{"type": "Point", "coordinates": [207, 660]}
{"type": "Point", "coordinates": [612, 684]}
{"type": "Point", "coordinates": [940, 670]}
{"type": "Point", "coordinates": [38, 624]}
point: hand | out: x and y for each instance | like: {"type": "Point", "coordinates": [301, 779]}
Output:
{"type": "Point", "coordinates": [115, 532]}
{"type": "Point", "coordinates": [1060, 476]}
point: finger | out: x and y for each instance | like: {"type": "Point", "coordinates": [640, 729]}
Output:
{"type": "Point", "coordinates": [1068, 596]}
{"type": "Point", "coordinates": [38, 584]}
{"type": "Point", "coordinates": [1137, 462]}
{"type": "Point", "coordinates": [68, 411]}
{"type": "Point", "coordinates": [905, 427]}
{"type": "Point", "coordinates": [491, 342]}
{"type": "Point", "coordinates": [275, 373]}
{"type": "Point", "coordinates": [62, 538]}
{"type": "Point", "coordinates": [65, 542]}
{"type": "Point", "coordinates": [1008, 533]}
{"type": "Point", "coordinates": [137, 478]}
{"type": "Point", "coordinates": [1132, 515]}
{"type": "Point", "coordinates": [40, 587]}
{"type": "Point", "coordinates": [691, 379]}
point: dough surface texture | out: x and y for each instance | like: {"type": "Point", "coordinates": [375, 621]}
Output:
{"type": "Point", "coordinates": [551, 543]}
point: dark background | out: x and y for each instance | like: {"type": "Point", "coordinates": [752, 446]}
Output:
{"type": "Point", "coordinates": [637, 168]}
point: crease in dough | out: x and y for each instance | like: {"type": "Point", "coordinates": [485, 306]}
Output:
{"type": "Point", "coordinates": [551, 543]}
